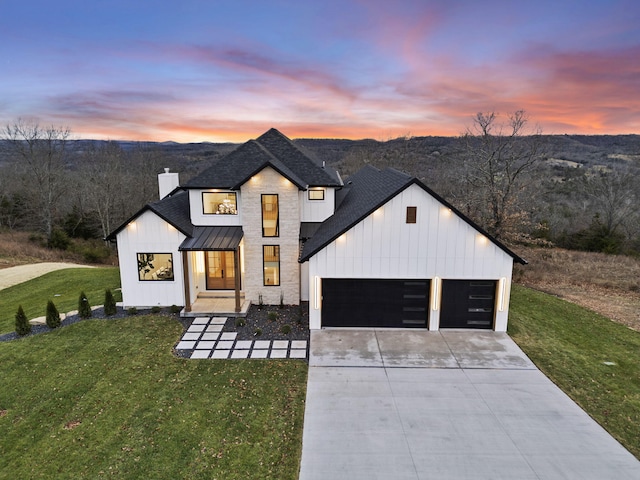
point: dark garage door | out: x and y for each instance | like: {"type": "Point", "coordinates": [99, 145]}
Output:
{"type": "Point", "coordinates": [374, 303]}
{"type": "Point", "coordinates": [467, 303]}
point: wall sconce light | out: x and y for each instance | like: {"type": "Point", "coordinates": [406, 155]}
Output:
{"type": "Point", "coordinates": [436, 285]}
{"type": "Point", "coordinates": [317, 288]}
{"type": "Point", "coordinates": [502, 293]}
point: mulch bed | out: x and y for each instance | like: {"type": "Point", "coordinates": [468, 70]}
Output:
{"type": "Point", "coordinates": [258, 324]}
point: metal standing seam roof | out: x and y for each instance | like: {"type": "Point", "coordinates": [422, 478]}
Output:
{"type": "Point", "coordinates": [213, 238]}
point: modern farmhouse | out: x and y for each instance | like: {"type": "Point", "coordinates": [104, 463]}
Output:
{"type": "Point", "coordinates": [268, 223]}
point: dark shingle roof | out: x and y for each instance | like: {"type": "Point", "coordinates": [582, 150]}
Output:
{"type": "Point", "coordinates": [174, 209]}
{"type": "Point", "coordinates": [366, 191]}
{"type": "Point", "coordinates": [270, 149]}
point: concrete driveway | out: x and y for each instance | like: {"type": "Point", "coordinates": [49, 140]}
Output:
{"type": "Point", "coordinates": [393, 404]}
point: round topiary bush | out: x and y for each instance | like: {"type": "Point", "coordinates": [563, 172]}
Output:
{"type": "Point", "coordinates": [286, 329]}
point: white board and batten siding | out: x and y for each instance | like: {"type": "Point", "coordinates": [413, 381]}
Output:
{"type": "Point", "coordinates": [317, 210]}
{"type": "Point", "coordinates": [383, 246]}
{"type": "Point", "coordinates": [198, 217]}
{"type": "Point", "coordinates": [149, 234]}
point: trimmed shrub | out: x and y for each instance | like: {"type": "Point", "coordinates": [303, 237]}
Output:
{"type": "Point", "coordinates": [22, 323]}
{"type": "Point", "coordinates": [286, 329]}
{"type": "Point", "coordinates": [156, 309]}
{"type": "Point", "coordinates": [175, 309]}
{"type": "Point", "coordinates": [240, 322]}
{"type": "Point", "coordinates": [109, 303]}
{"type": "Point", "coordinates": [53, 317]}
{"type": "Point", "coordinates": [84, 309]}
{"type": "Point", "coordinates": [132, 311]}
{"type": "Point", "coordinates": [59, 240]}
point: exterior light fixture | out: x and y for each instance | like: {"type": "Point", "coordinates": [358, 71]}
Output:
{"type": "Point", "coordinates": [502, 293]}
{"type": "Point", "coordinates": [317, 289]}
{"type": "Point", "coordinates": [436, 286]}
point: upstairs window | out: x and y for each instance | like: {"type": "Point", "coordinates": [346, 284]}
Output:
{"type": "Point", "coordinates": [219, 203]}
{"type": "Point", "coordinates": [316, 194]}
{"type": "Point", "coordinates": [412, 214]}
{"type": "Point", "coordinates": [270, 221]}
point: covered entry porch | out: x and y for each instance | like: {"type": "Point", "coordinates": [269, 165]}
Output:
{"type": "Point", "coordinates": [212, 258]}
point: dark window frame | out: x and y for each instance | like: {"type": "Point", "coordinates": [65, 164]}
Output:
{"type": "Point", "coordinates": [235, 194]}
{"type": "Point", "coordinates": [146, 261]}
{"type": "Point", "coordinates": [315, 190]}
{"type": "Point", "coordinates": [277, 234]}
{"type": "Point", "coordinates": [264, 265]}
{"type": "Point", "coordinates": [412, 215]}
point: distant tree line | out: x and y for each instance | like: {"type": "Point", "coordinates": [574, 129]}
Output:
{"type": "Point", "coordinates": [61, 192]}
{"type": "Point", "coordinates": [520, 185]}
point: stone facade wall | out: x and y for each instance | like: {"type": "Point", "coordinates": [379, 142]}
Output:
{"type": "Point", "coordinates": [268, 181]}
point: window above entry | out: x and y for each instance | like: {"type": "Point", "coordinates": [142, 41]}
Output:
{"type": "Point", "coordinates": [219, 203]}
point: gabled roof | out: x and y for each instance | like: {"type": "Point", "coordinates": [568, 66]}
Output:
{"type": "Point", "coordinates": [270, 149]}
{"type": "Point", "coordinates": [365, 192]}
{"type": "Point", "coordinates": [173, 209]}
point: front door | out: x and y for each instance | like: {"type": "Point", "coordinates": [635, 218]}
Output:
{"type": "Point", "coordinates": [221, 272]}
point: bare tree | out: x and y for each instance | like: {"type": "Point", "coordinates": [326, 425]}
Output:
{"type": "Point", "coordinates": [40, 152]}
{"type": "Point", "coordinates": [613, 196]}
{"type": "Point", "coordinates": [498, 160]}
{"type": "Point", "coordinates": [103, 169]}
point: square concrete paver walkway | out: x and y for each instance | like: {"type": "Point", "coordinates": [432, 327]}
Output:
{"type": "Point", "coordinates": [206, 338]}
{"type": "Point", "coordinates": [457, 405]}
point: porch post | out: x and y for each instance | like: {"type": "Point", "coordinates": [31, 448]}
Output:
{"type": "Point", "coordinates": [236, 265]}
{"type": "Point", "coordinates": [185, 276]}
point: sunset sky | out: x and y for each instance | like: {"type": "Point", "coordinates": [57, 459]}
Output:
{"type": "Point", "coordinates": [198, 70]}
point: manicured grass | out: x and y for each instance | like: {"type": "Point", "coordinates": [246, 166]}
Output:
{"type": "Point", "coordinates": [571, 344]}
{"type": "Point", "coordinates": [61, 286]}
{"type": "Point", "coordinates": [106, 398]}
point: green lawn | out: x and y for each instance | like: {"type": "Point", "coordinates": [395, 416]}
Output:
{"type": "Point", "coordinates": [62, 286]}
{"type": "Point", "coordinates": [571, 344]}
{"type": "Point", "coordinates": [106, 398]}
